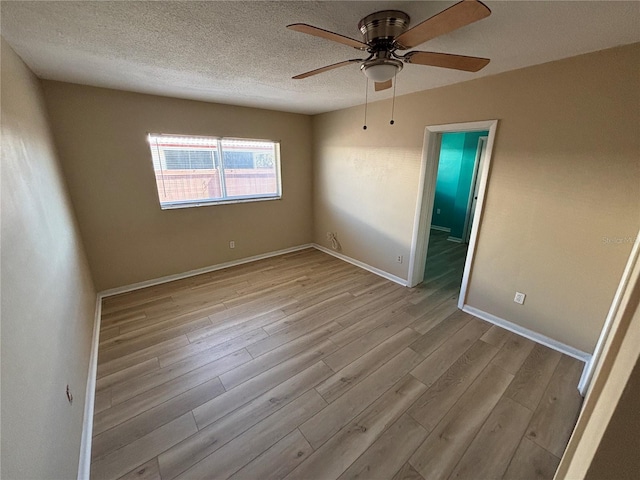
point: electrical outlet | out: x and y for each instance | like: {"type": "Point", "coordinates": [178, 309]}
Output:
{"type": "Point", "coordinates": [399, 259]}
{"type": "Point", "coordinates": [437, 211]}
{"type": "Point", "coordinates": [519, 298]}
{"type": "Point", "coordinates": [232, 244]}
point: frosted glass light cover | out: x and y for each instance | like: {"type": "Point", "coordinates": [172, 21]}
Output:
{"type": "Point", "coordinates": [380, 73]}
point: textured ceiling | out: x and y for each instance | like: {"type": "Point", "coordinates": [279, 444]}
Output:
{"type": "Point", "coordinates": [240, 52]}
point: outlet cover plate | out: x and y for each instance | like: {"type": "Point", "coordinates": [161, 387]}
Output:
{"type": "Point", "coordinates": [519, 298]}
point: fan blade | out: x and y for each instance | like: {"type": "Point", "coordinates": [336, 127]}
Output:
{"type": "Point", "coordinates": [326, 69]}
{"type": "Point", "coordinates": [447, 60]}
{"type": "Point", "coordinates": [457, 16]}
{"type": "Point", "coordinates": [383, 85]}
{"type": "Point", "coordinates": [319, 32]}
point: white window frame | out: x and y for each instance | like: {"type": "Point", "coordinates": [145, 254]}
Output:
{"type": "Point", "coordinates": [225, 200]}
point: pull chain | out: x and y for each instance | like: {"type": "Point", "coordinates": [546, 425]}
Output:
{"type": "Point", "coordinates": [366, 100]}
{"type": "Point", "coordinates": [393, 101]}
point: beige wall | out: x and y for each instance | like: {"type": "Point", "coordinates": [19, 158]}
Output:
{"type": "Point", "coordinates": [48, 299]}
{"type": "Point", "coordinates": [101, 137]}
{"type": "Point", "coordinates": [606, 440]}
{"type": "Point", "coordinates": [565, 174]}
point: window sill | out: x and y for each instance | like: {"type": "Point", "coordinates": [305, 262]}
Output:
{"type": "Point", "coordinates": [175, 206]}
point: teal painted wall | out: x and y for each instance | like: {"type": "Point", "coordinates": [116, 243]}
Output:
{"type": "Point", "coordinates": [453, 184]}
{"type": "Point", "coordinates": [448, 177]}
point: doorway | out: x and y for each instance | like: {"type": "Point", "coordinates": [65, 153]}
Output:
{"type": "Point", "coordinates": [425, 204]}
{"type": "Point", "coordinates": [453, 207]}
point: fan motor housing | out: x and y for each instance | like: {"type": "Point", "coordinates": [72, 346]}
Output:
{"type": "Point", "coordinates": [383, 26]}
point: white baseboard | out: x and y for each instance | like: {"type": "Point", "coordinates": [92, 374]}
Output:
{"type": "Point", "coordinates": [84, 466]}
{"type": "Point", "coordinates": [84, 463]}
{"type": "Point", "coordinates": [454, 239]}
{"type": "Point", "coordinates": [358, 263]}
{"type": "Point", "coordinates": [441, 229]}
{"type": "Point", "coordinates": [530, 334]}
{"type": "Point", "coordinates": [85, 447]}
{"type": "Point", "coordinates": [199, 271]}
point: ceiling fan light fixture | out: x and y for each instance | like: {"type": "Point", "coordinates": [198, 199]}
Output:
{"type": "Point", "coordinates": [381, 69]}
{"type": "Point", "coordinates": [385, 32]}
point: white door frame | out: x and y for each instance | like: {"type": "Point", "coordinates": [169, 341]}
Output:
{"type": "Point", "coordinates": [426, 197]}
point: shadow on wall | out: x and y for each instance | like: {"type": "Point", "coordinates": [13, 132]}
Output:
{"type": "Point", "coordinates": [354, 242]}
{"type": "Point", "coordinates": [367, 195]}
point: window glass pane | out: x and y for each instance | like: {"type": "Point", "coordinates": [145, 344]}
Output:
{"type": "Point", "coordinates": [189, 170]}
{"type": "Point", "coordinates": [186, 169]}
{"type": "Point", "coordinates": [189, 159]}
{"type": "Point", "coordinates": [238, 159]}
{"type": "Point", "coordinates": [249, 167]}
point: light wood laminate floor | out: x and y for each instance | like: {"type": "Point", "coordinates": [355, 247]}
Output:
{"type": "Point", "coordinates": [305, 367]}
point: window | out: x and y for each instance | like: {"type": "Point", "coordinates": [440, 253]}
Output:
{"type": "Point", "coordinates": [194, 171]}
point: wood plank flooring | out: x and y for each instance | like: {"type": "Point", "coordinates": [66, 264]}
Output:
{"type": "Point", "coordinates": [305, 367]}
